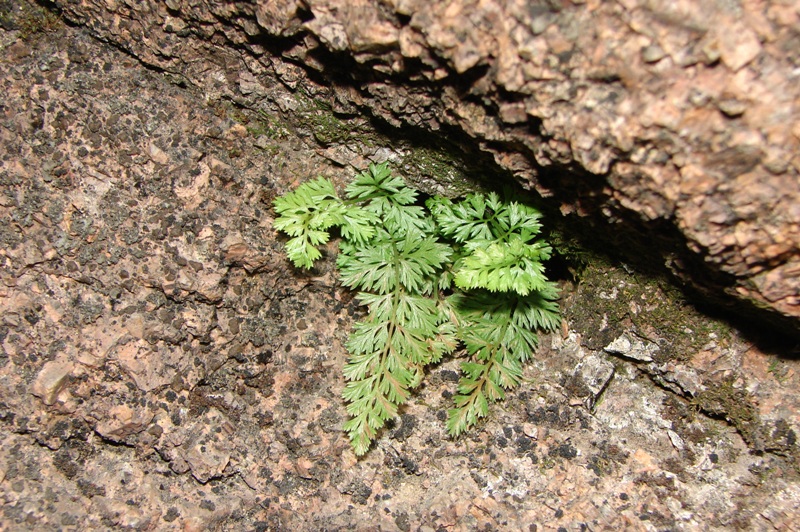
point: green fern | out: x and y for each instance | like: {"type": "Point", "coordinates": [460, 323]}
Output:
{"type": "Point", "coordinates": [505, 296]}
{"type": "Point", "coordinates": [403, 260]}
{"type": "Point", "coordinates": [309, 212]}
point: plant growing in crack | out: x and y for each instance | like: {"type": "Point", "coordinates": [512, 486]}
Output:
{"type": "Point", "coordinates": [436, 278]}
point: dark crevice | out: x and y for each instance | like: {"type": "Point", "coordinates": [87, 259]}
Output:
{"type": "Point", "coordinates": [304, 14]}
{"type": "Point", "coordinates": [652, 247]}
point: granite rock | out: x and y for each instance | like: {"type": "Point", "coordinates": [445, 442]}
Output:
{"type": "Point", "coordinates": [671, 127]}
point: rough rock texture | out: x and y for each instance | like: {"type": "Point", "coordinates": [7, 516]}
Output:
{"type": "Point", "coordinates": [163, 368]}
{"type": "Point", "coordinates": [677, 119]}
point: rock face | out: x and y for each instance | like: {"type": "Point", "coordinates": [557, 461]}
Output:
{"type": "Point", "coordinates": [675, 119]}
{"type": "Point", "coordinates": [163, 368]}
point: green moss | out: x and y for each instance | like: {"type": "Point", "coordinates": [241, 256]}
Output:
{"type": "Point", "coordinates": [329, 129]}
{"type": "Point", "coordinates": [317, 116]}
{"type": "Point", "coordinates": [779, 370]}
{"type": "Point", "coordinates": [264, 124]}
{"type": "Point", "coordinates": [576, 257]}
{"type": "Point", "coordinates": [258, 123]}
{"type": "Point", "coordinates": [736, 407]}
{"type": "Point", "coordinates": [610, 300]}
{"type": "Point", "coordinates": [436, 171]}
{"type": "Point", "coordinates": [29, 18]}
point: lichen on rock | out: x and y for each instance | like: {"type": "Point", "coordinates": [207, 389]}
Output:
{"type": "Point", "coordinates": [163, 366]}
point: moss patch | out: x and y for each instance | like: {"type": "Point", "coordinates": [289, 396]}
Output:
{"type": "Point", "coordinates": [735, 406]}
{"type": "Point", "coordinates": [436, 171]}
{"type": "Point", "coordinates": [609, 300]}
{"type": "Point", "coordinates": [29, 19]}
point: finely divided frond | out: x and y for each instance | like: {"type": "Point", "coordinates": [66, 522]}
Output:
{"type": "Point", "coordinates": [503, 267]}
{"type": "Point", "coordinates": [370, 408]}
{"type": "Point", "coordinates": [385, 359]}
{"type": "Point", "coordinates": [498, 334]}
{"type": "Point", "coordinates": [357, 224]}
{"type": "Point", "coordinates": [369, 268]}
{"type": "Point", "coordinates": [392, 254]}
{"type": "Point", "coordinates": [306, 215]}
{"type": "Point", "coordinates": [418, 261]}
{"type": "Point", "coordinates": [378, 182]}
{"type": "Point", "coordinates": [463, 221]}
{"type": "Point", "coordinates": [539, 310]}
{"type": "Point", "coordinates": [400, 220]}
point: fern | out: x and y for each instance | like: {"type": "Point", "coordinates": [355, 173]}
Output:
{"type": "Point", "coordinates": [505, 296]}
{"type": "Point", "coordinates": [307, 214]}
{"type": "Point", "coordinates": [431, 278]}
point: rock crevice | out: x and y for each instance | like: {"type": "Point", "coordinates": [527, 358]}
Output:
{"type": "Point", "coordinates": [660, 114]}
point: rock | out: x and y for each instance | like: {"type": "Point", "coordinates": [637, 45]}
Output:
{"type": "Point", "coordinates": [201, 404]}
{"type": "Point", "coordinates": [594, 373]}
{"type": "Point", "coordinates": [676, 440]}
{"type": "Point", "coordinates": [241, 253]}
{"type": "Point", "coordinates": [157, 154]}
{"type": "Point", "coordinates": [122, 421]}
{"type": "Point", "coordinates": [150, 365]}
{"type": "Point", "coordinates": [653, 53]}
{"type": "Point", "coordinates": [632, 347]}
{"type": "Point", "coordinates": [607, 109]}
{"type": "Point", "coordinates": [207, 461]}
{"type": "Point", "coordinates": [53, 377]}
{"type": "Point", "coordinates": [202, 447]}
{"type": "Point", "coordinates": [738, 44]}
{"type": "Point", "coordinates": [782, 509]}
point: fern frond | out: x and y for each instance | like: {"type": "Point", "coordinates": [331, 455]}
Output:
{"type": "Point", "coordinates": [377, 182]}
{"type": "Point", "coordinates": [418, 262]}
{"type": "Point", "coordinates": [400, 220]}
{"type": "Point", "coordinates": [539, 310]}
{"type": "Point", "coordinates": [369, 268]}
{"type": "Point", "coordinates": [385, 359]}
{"type": "Point", "coordinates": [402, 258]}
{"type": "Point", "coordinates": [370, 407]}
{"type": "Point", "coordinates": [357, 224]}
{"type": "Point", "coordinates": [308, 194]}
{"type": "Point", "coordinates": [503, 267]}
{"type": "Point", "coordinates": [498, 332]}
{"type": "Point", "coordinates": [471, 402]}
{"type": "Point", "coordinates": [467, 220]}
{"type": "Point", "coordinates": [306, 215]}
